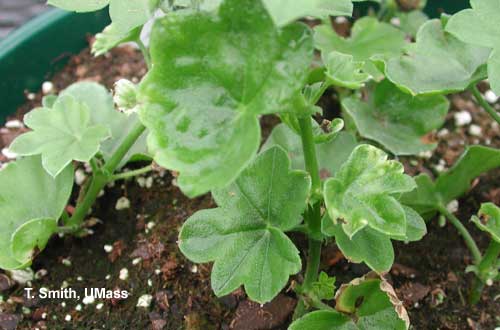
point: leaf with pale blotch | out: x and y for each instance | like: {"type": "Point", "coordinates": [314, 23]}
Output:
{"type": "Point", "coordinates": [213, 75]}
{"type": "Point", "coordinates": [103, 112]}
{"type": "Point", "coordinates": [284, 12]}
{"type": "Point", "coordinates": [488, 220]}
{"type": "Point", "coordinates": [61, 134]}
{"type": "Point", "coordinates": [479, 26]}
{"type": "Point", "coordinates": [343, 71]}
{"type": "Point", "coordinates": [369, 38]}
{"type": "Point", "coordinates": [331, 154]}
{"type": "Point", "coordinates": [31, 202]}
{"type": "Point", "coordinates": [245, 235]}
{"type": "Point", "coordinates": [437, 63]}
{"type": "Point", "coordinates": [397, 120]}
{"type": "Point", "coordinates": [364, 304]}
{"type": "Point", "coordinates": [363, 193]}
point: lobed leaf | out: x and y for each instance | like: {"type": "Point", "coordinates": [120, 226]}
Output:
{"type": "Point", "coordinates": [343, 71]}
{"type": "Point", "coordinates": [437, 63]}
{"type": "Point", "coordinates": [369, 37]}
{"type": "Point", "coordinates": [478, 26]}
{"type": "Point", "coordinates": [245, 236]}
{"type": "Point", "coordinates": [213, 75]}
{"type": "Point", "coordinates": [363, 193]}
{"type": "Point", "coordinates": [31, 202]}
{"type": "Point", "coordinates": [489, 220]}
{"type": "Point", "coordinates": [103, 112]}
{"type": "Point", "coordinates": [397, 120]}
{"type": "Point", "coordinates": [61, 134]}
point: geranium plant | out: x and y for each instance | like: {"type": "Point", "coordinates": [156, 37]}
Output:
{"type": "Point", "coordinates": [216, 67]}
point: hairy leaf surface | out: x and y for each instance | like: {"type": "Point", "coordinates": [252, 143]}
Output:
{"type": "Point", "coordinates": [213, 75]}
{"type": "Point", "coordinates": [437, 63]}
{"type": "Point", "coordinates": [478, 26]}
{"type": "Point", "coordinates": [363, 193]}
{"type": "Point", "coordinates": [342, 70]}
{"type": "Point", "coordinates": [61, 134]}
{"type": "Point", "coordinates": [31, 202]}
{"type": "Point", "coordinates": [397, 120]}
{"type": "Point", "coordinates": [488, 220]}
{"type": "Point", "coordinates": [245, 236]}
{"type": "Point", "coordinates": [369, 37]}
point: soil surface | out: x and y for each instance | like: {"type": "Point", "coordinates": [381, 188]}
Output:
{"type": "Point", "coordinates": [135, 248]}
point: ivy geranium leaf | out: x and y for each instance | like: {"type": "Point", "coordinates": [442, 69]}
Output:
{"type": "Point", "coordinates": [324, 287]}
{"type": "Point", "coordinates": [454, 183]}
{"type": "Point", "coordinates": [478, 26]}
{"type": "Point", "coordinates": [437, 63]}
{"type": "Point", "coordinates": [79, 5]}
{"type": "Point", "coordinates": [363, 193]}
{"type": "Point", "coordinates": [366, 303]}
{"type": "Point", "coordinates": [245, 235]}
{"type": "Point", "coordinates": [343, 71]}
{"type": "Point", "coordinates": [111, 37]}
{"type": "Point", "coordinates": [61, 134]}
{"type": "Point", "coordinates": [331, 154]}
{"type": "Point", "coordinates": [31, 202]}
{"type": "Point", "coordinates": [128, 15]}
{"type": "Point", "coordinates": [397, 120]}
{"type": "Point", "coordinates": [213, 75]}
{"type": "Point", "coordinates": [411, 22]}
{"type": "Point", "coordinates": [369, 37]}
{"type": "Point", "coordinates": [287, 11]}
{"type": "Point", "coordinates": [488, 220]}
{"type": "Point", "coordinates": [103, 112]}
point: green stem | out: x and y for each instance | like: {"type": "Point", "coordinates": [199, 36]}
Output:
{"type": "Point", "coordinates": [313, 214]}
{"type": "Point", "coordinates": [488, 261]}
{"type": "Point", "coordinates": [94, 165]}
{"type": "Point", "coordinates": [130, 174]}
{"type": "Point", "coordinates": [102, 177]}
{"type": "Point", "coordinates": [483, 103]}
{"type": "Point", "coordinates": [145, 52]}
{"type": "Point", "coordinates": [469, 241]}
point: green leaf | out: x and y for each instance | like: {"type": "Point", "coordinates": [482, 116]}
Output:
{"type": "Point", "coordinates": [61, 134]}
{"type": "Point", "coordinates": [489, 220]}
{"type": "Point", "coordinates": [111, 37]}
{"type": "Point", "coordinates": [324, 287]}
{"type": "Point", "coordinates": [369, 37]}
{"type": "Point", "coordinates": [397, 120]}
{"type": "Point", "coordinates": [213, 75]}
{"type": "Point", "coordinates": [31, 202]}
{"type": "Point", "coordinates": [454, 183]}
{"type": "Point", "coordinates": [478, 26]}
{"type": "Point", "coordinates": [324, 320]}
{"type": "Point", "coordinates": [79, 5]}
{"type": "Point", "coordinates": [103, 112]}
{"type": "Point", "coordinates": [437, 63]}
{"type": "Point", "coordinates": [343, 71]}
{"type": "Point", "coordinates": [363, 193]}
{"type": "Point", "coordinates": [245, 234]}
{"type": "Point", "coordinates": [364, 304]}
{"type": "Point", "coordinates": [367, 245]}
{"type": "Point", "coordinates": [331, 155]}
{"type": "Point", "coordinates": [284, 12]}
{"type": "Point", "coordinates": [130, 14]}
{"type": "Point", "coordinates": [411, 22]}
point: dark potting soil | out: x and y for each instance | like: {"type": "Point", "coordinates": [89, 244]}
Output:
{"type": "Point", "coordinates": [429, 275]}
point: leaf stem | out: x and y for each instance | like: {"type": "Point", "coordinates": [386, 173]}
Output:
{"type": "Point", "coordinates": [102, 177]}
{"type": "Point", "coordinates": [488, 261]}
{"type": "Point", "coordinates": [313, 214]}
{"type": "Point", "coordinates": [130, 174]}
{"type": "Point", "coordinates": [94, 165]}
{"type": "Point", "coordinates": [483, 103]}
{"type": "Point", "coordinates": [469, 241]}
{"type": "Point", "coordinates": [145, 52]}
